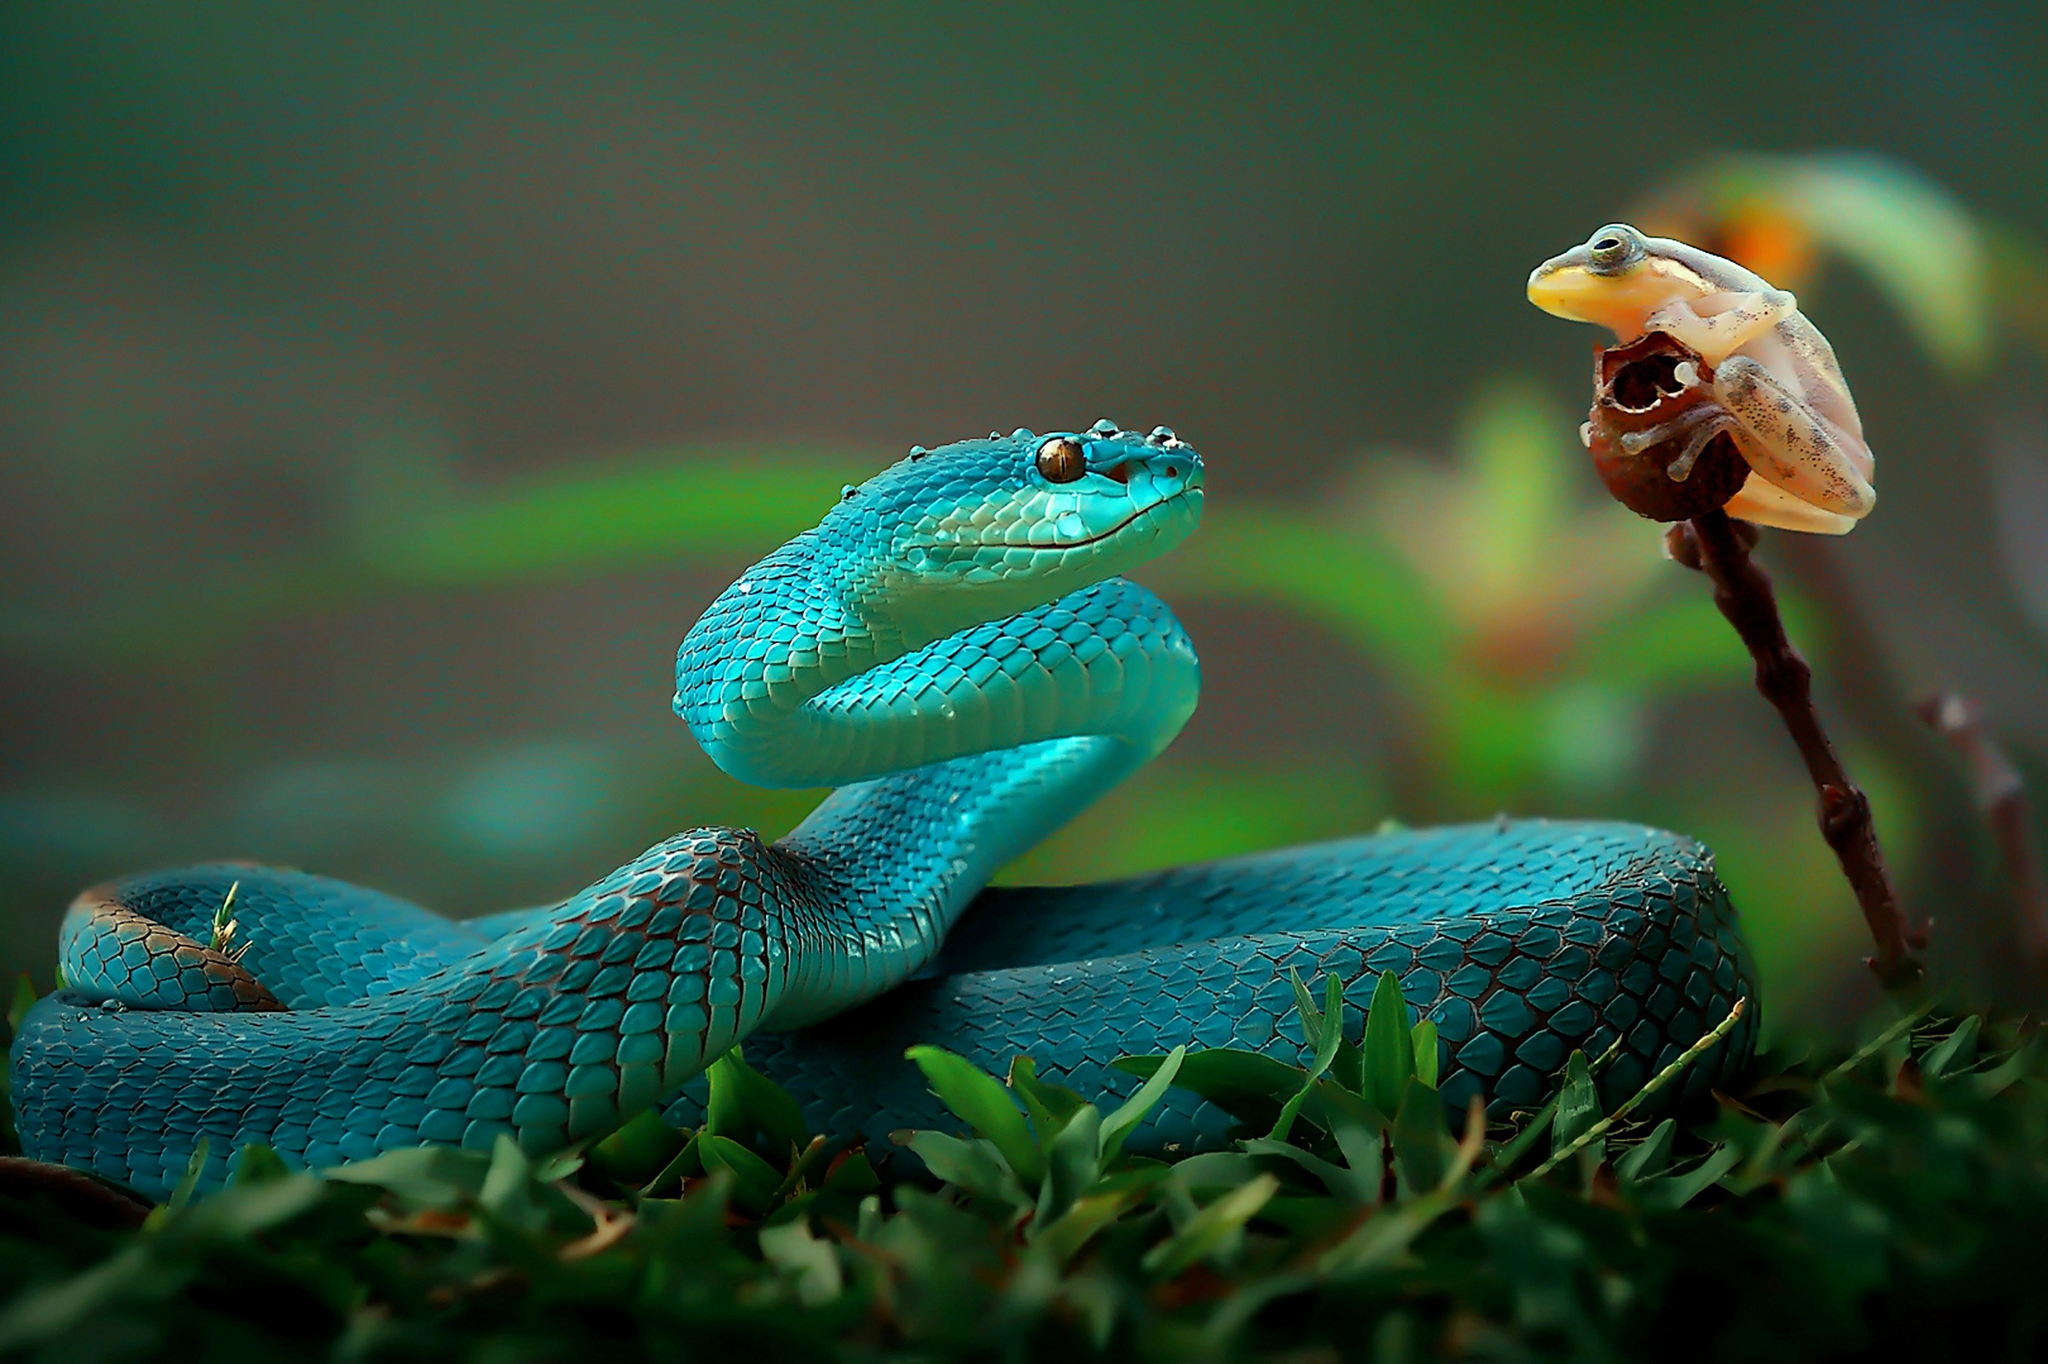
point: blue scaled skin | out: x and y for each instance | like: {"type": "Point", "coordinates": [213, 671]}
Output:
{"type": "Point", "coordinates": [951, 647]}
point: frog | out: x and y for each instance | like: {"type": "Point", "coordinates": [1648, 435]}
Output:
{"type": "Point", "coordinates": [1779, 390]}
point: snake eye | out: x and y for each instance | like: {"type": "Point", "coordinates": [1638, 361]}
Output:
{"type": "Point", "coordinates": [1062, 460]}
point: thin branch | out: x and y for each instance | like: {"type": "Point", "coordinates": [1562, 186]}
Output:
{"type": "Point", "coordinates": [1872, 696]}
{"type": "Point", "coordinates": [2001, 795]}
{"type": "Point", "coordinates": [1742, 590]}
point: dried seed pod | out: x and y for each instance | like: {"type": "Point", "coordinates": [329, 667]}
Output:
{"type": "Point", "coordinates": [1657, 436]}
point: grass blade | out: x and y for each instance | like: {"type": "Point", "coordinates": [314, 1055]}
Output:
{"type": "Point", "coordinates": [1208, 1229]}
{"type": "Point", "coordinates": [1388, 1049]}
{"type": "Point", "coordinates": [1657, 1081]}
{"type": "Point", "coordinates": [980, 1100]}
{"type": "Point", "coordinates": [1134, 1110]}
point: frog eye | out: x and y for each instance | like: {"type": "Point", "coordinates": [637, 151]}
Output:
{"type": "Point", "coordinates": [1613, 245]}
{"type": "Point", "coordinates": [1062, 460]}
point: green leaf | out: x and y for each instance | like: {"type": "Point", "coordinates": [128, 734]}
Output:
{"type": "Point", "coordinates": [1357, 1127]}
{"type": "Point", "coordinates": [1348, 1069]}
{"type": "Point", "coordinates": [1135, 1109]}
{"type": "Point", "coordinates": [975, 1165]}
{"type": "Point", "coordinates": [424, 1176]}
{"type": "Point", "coordinates": [731, 499]}
{"type": "Point", "coordinates": [1073, 1164]}
{"type": "Point", "coordinates": [1422, 1139]}
{"type": "Point", "coordinates": [1384, 1238]}
{"type": "Point", "coordinates": [1305, 1007]}
{"type": "Point", "coordinates": [1957, 1051]}
{"type": "Point", "coordinates": [1672, 648]}
{"type": "Point", "coordinates": [1671, 1192]}
{"type": "Point", "coordinates": [1214, 1170]}
{"type": "Point", "coordinates": [1327, 1029]}
{"type": "Point", "coordinates": [1049, 1105]}
{"type": "Point", "coordinates": [746, 1105]}
{"type": "Point", "coordinates": [510, 1188]}
{"type": "Point", "coordinates": [1771, 1150]}
{"type": "Point", "coordinates": [1424, 1037]}
{"type": "Point", "coordinates": [720, 502]}
{"type": "Point", "coordinates": [800, 1166]}
{"type": "Point", "coordinates": [1066, 1236]}
{"type": "Point", "coordinates": [52, 1312]}
{"type": "Point", "coordinates": [1578, 1103]}
{"type": "Point", "coordinates": [754, 1179]}
{"type": "Point", "coordinates": [1523, 495]}
{"type": "Point", "coordinates": [1525, 1140]}
{"type": "Point", "coordinates": [869, 1227]}
{"type": "Point", "coordinates": [1246, 1084]}
{"type": "Point", "coordinates": [246, 1209]}
{"type": "Point", "coordinates": [1923, 249]}
{"type": "Point", "coordinates": [1388, 1051]}
{"type": "Point", "coordinates": [255, 1164]}
{"type": "Point", "coordinates": [849, 1178]}
{"type": "Point", "coordinates": [637, 1152]}
{"type": "Point", "coordinates": [1348, 1183]}
{"type": "Point", "coordinates": [194, 1168]}
{"type": "Point", "coordinates": [813, 1264]}
{"type": "Point", "coordinates": [561, 1164]}
{"type": "Point", "coordinates": [1344, 1065]}
{"type": "Point", "coordinates": [980, 1100]}
{"type": "Point", "coordinates": [1208, 1229]}
{"type": "Point", "coordinates": [1354, 584]}
{"type": "Point", "coordinates": [685, 1164]}
{"type": "Point", "coordinates": [2007, 1072]}
{"type": "Point", "coordinates": [1650, 1156]}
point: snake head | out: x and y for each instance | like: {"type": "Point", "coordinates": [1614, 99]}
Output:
{"type": "Point", "coordinates": [982, 528]}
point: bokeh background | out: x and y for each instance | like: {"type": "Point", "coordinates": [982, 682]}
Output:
{"type": "Point", "coordinates": [385, 388]}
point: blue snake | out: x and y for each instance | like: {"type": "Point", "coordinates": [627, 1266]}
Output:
{"type": "Point", "coordinates": [953, 649]}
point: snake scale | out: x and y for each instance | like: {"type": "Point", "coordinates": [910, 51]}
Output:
{"type": "Point", "coordinates": [952, 648]}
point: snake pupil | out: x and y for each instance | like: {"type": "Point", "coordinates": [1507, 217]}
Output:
{"type": "Point", "coordinates": [1062, 460]}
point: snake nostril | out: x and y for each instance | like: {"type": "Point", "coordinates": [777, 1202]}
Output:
{"type": "Point", "coordinates": [1173, 471]}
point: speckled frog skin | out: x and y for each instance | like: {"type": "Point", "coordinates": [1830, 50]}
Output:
{"type": "Point", "coordinates": [1778, 390]}
{"type": "Point", "coordinates": [951, 647]}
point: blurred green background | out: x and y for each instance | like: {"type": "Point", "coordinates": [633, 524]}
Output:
{"type": "Point", "coordinates": [384, 389]}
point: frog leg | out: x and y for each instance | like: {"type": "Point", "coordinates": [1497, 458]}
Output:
{"type": "Point", "coordinates": [1790, 444]}
{"type": "Point", "coordinates": [1766, 505]}
{"type": "Point", "coordinates": [1703, 422]}
{"type": "Point", "coordinates": [1738, 319]}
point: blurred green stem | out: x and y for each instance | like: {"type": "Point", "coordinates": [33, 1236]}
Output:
{"type": "Point", "coordinates": [2001, 797]}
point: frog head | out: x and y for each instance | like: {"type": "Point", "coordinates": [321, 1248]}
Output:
{"type": "Point", "coordinates": [1618, 276]}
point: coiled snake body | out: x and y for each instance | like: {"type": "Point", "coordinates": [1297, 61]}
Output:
{"type": "Point", "coordinates": [951, 648]}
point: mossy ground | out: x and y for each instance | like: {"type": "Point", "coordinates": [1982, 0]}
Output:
{"type": "Point", "coordinates": [1892, 1202]}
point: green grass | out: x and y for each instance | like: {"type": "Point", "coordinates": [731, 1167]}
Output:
{"type": "Point", "coordinates": [1892, 1202]}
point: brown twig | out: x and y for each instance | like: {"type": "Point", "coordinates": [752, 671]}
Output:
{"type": "Point", "coordinates": [1711, 543]}
{"type": "Point", "coordinates": [1661, 442]}
{"type": "Point", "coordinates": [2002, 796]}
{"type": "Point", "coordinates": [1873, 697]}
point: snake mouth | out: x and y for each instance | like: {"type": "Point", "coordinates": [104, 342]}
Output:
{"type": "Point", "coordinates": [1120, 527]}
